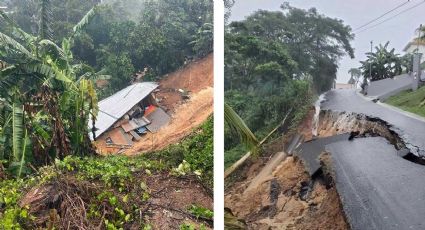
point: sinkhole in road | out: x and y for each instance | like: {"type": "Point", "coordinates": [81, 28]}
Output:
{"type": "Point", "coordinates": [332, 123]}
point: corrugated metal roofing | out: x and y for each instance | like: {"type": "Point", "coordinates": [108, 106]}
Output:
{"type": "Point", "coordinates": [114, 107]}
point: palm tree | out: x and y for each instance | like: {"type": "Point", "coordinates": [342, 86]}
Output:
{"type": "Point", "coordinates": [238, 126]}
{"type": "Point", "coordinates": [45, 93]}
{"type": "Point", "coordinates": [355, 76]}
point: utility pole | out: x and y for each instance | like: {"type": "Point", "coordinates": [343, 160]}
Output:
{"type": "Point", "coordinates": [418, 42]}
{"type": "Point", "coordinates": [364, 85]}
{"type": "Point", "coordinates": [370, 64]}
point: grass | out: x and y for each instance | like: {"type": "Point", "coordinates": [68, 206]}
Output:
{"type": "Point", "coordinates": [409, 101]}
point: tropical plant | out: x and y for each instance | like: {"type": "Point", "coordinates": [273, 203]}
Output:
{"type": "Point", "coordinates": [355, 73]}
{"type": "Point", "coordinates": [203, 40]}
{"type": "Point", "coordinates": [382, 63]}
{"type": "Point", "coordinates": [47, 98]}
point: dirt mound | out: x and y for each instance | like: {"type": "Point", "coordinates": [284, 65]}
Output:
{"type": "Point", "coordinates": [193, 78]}
{"type": "Point", "coordinates": [289, 200]}
{"type": "Point", "coordinates": [69, 203]}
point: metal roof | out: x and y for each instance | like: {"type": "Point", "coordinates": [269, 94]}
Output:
{"type": "Point", "coordinates": [114, 107]}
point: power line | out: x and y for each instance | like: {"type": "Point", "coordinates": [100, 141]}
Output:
{"type": "Point", "coordinates": [402, 12]}
{"type": "Point", "coordinates": [386, 13]}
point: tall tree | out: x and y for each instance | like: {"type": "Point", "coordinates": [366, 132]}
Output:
{"type": "Point", "coordinates": [307, 35]}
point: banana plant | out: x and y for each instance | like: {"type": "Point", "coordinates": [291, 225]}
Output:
{"type": "Point", "coordinates": [54, 95]}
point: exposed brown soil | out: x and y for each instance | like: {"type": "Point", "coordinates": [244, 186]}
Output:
{"type": "Point", "coordinates": [277, 204]}
{"type": "Point", "coordinates": [197, 78]}
{"type": "Point", "coordinates": [186, 114]}
{"type": "Point", "coordinates": [187, 117]}
{"type": "Point", "coordinates": [307, 125]}
{"type": "Point", "coordinates": [193, 78]}
{"type": "Point", "coordinates": [64, 203]}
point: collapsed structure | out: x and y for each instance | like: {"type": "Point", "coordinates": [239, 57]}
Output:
{"type": "Point", "coordinates": [128, 115]}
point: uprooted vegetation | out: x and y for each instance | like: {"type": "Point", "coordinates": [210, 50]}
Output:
{"type": "Point", "coordinates": [289, 197]}
{"type": "Point", "coordinates": [163, 190]}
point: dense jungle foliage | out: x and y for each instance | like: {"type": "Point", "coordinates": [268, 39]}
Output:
{"type": "Point", "coordinates": [53, 54]}
{"type": "Point", "coordinates": [275, 62]}
{"type": "Point", "coordinates": [125, 37]}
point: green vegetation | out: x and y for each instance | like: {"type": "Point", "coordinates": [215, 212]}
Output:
{"type": "Point", "coordinates": [199, 211]}
{"type": "Point", "coordinates": [125, 37]}
{"type": "Point", "coordinates": [385, 63]}
{"type": "Point", "coordinates": [116, 183]}
{"type": "Point", "coordinates": [52, 55]}
{"type": "Point", "coordinates": [355, 74]}
{"type": "Point", "coordinates": [410, 101]}
{"type": "Point", "coordinates": [275, 63]}
{"type": "Point", "coordinates": [50, 69]}
{"type": "Point", "coordinates": [46, 97]}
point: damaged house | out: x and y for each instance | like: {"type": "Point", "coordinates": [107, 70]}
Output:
{"type": "Point", "coordinates": [127, 115]}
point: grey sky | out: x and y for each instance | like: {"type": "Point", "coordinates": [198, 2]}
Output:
{"type": "Point", "coordinates": [399, 31]}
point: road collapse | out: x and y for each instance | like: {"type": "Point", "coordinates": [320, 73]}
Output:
{"type": "Point", "coordinates": [297, 190]}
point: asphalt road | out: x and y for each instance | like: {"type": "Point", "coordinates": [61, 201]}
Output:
{"type": "Point", "coordinates": [378, 189]}
{"type": "Point", "coordinates": [387, 87]}
{"type": "Point", "coordinates": [411, 130]}
{"type": "Point", "coordinates": [310, 151]}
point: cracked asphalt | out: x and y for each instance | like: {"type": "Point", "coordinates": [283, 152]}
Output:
{"type": "Point", "coordinates": [378, 188]}
{"type": "Point", "coordinates": [411, 130]}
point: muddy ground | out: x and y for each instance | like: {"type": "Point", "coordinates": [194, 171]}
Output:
{"type": "Point", "coordinates": [196, 78]}
{"type": "Point", "coordinates": [189, 116]}
{"type": "Point", "coordinates": [66, 202]}
{"type": "Point", "coordinates": [186, 114]}
{"type": "Point", "coordinates": [286, 198]}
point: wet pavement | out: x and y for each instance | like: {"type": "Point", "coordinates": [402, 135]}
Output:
{"type": "Point", "coordinates": [385, 88]}
{"type": "Point", "coordinates": [310, 151]}
{"type": "Point", "coordinates": [411, 130]}
{"type": "Point", "coordinates": [378, 189]}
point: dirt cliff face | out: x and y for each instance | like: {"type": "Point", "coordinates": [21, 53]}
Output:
{"type": "Point", "coordinates": [288, 200]}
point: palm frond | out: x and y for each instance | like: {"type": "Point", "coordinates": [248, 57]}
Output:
{"type": "Point", "coordinates": [45, 31]}
{"type": "Point", "coordinates": [16, 31]}
{"type": "Point", "coordinates": [17, 131]}
{"type": "Point", "coordinates": [49, 71]}
{"type": "Point", "coordinates": [23, 154]}
{"type": "Point", "coordinates": [54, 50]}
{"type": "Point", "coordinates": [85, 21]}
{"type": "Point", "coordinates": [238, 126]}
{"type": "Point", "coordinates": [13, 52]}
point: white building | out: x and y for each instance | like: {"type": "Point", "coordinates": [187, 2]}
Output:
{"type": "Point", "coordinates": [416, 46]}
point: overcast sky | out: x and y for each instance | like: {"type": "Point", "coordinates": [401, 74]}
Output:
{"type": "Point", "coordinates": [399, 30]}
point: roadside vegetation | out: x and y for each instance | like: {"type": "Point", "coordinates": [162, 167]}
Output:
{"type": "Point", "coordinates": [276, 63]}
{"type": "Point", "coordinates": [411, 101]}
{"type": "Point", "coordinates": [384, 63]}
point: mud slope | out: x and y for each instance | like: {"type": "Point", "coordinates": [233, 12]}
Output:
{"type": "Point", "coordinates": [288, 200]}
{"type": "Point", "coordinates": [187, 117]}
{"type": "Point", "coordinates": [197, 79]}
{"type": "Point", "coordinates": [194, 77]}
